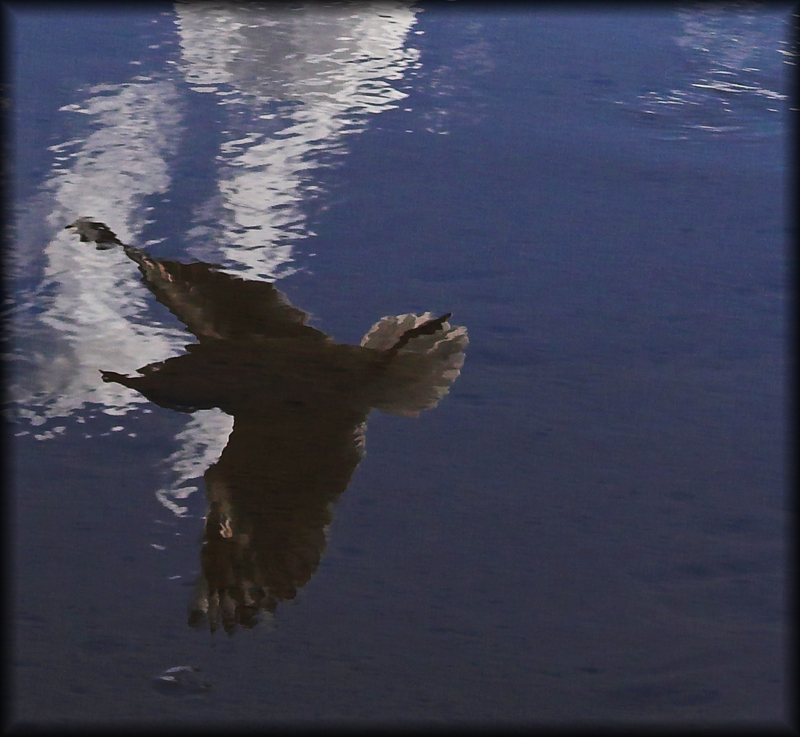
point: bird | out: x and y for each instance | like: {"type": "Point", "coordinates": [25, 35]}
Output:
{"type": "Point", "coordinates": [299, 403]}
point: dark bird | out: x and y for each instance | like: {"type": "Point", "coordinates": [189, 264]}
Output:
{"type": "Point", "coordinates": [299, 403]}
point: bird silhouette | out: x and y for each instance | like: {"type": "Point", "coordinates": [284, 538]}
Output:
{"type": "Point", "coordinates": [299, 403]}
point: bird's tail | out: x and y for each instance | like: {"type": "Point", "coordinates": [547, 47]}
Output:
{"type": "Point", "coordinates": [426, 355]}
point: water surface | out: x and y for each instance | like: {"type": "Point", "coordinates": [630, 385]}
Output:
{"type": "Point", "coordinates": [588, 527]}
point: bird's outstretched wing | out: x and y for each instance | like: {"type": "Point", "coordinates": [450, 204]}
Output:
{"type": "Point", "coordinates": [211, 303]}
{"type": "Point", "coordinates": [216, 305]}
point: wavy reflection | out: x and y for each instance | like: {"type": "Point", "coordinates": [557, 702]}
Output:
{"type": "Point", "coordinates": [299, 404]}
{"type": "Point", "coordinates": [258, 97]}
{"type": "Point", "coordinates": [730, 80]}
{"type": "Point", "coordinates": [292, 81]}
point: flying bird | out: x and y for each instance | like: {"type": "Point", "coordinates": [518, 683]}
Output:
{"type": "Point", "coordinates": [299, 403]}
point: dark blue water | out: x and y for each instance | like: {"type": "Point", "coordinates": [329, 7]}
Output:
{"type": "Point", "coordinates": [589, 527]}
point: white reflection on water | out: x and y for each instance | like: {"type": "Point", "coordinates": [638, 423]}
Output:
{"type": "Point", "coordinates": [730, 79]}
{"type": "Point", "coordinates": [290, 84]}
{"type": "Point", "coordinates": [89, 310]}
{"type": "Point", "coordinates": [293, 81]}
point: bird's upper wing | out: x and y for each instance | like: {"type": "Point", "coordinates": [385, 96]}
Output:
{"type": "Point", "coordinates": [212, 304]}
{"type": "Point", "coordinates": [216, 305]}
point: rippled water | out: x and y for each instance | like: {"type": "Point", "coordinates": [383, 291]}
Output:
{"type": "Point", "coordinates": [728, 79]}
{"type": "Point", "coordinates": [589, 524]}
